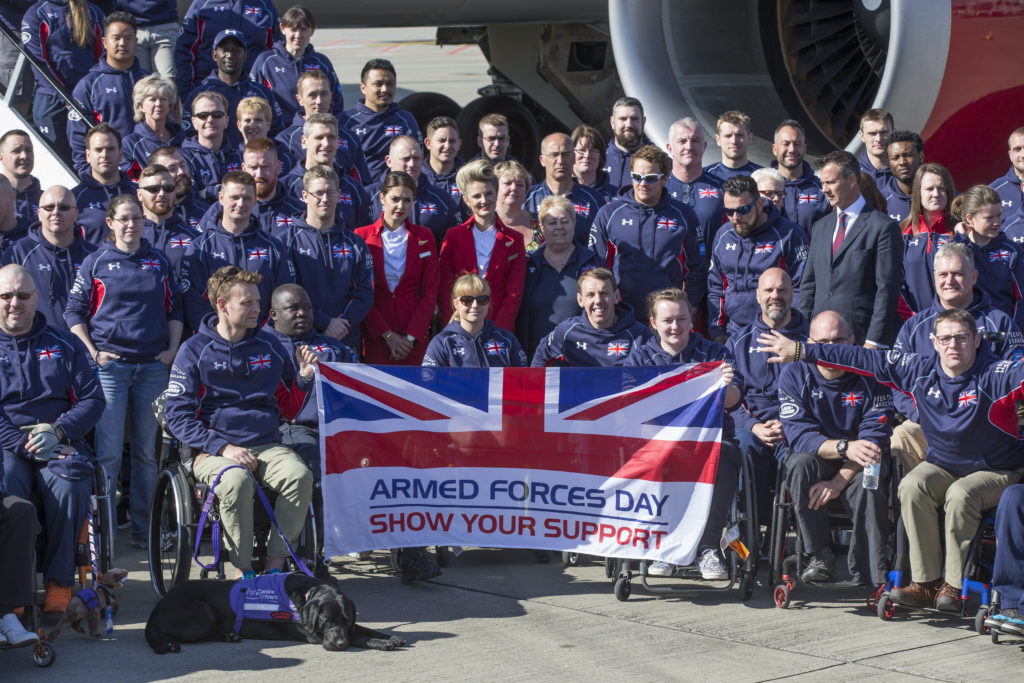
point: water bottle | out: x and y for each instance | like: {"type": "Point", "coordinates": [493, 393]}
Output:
{"type": "Point", "coordinates": [871, 476]}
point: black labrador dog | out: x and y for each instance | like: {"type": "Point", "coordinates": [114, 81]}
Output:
{"type": "Point", "coordinates": [193, 611]}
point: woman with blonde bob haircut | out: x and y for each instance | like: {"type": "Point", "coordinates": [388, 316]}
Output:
{"type": "Point", "coordinates": [470, 340]}
{"type": "Point", "coordinates": [157, 113]}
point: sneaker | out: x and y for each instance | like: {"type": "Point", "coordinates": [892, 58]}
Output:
{"type": "Point", "coordinates": [948, 599]}
{"type": "Point", "coordinates": [1008, 620]}
{"type": "Point", "coordinates": [917, 594]}
{"type": "Point", "coordinates": [415, 565]}
{"type": "Point", "coordinates": [821, 569]}
{"type": "Point", "coordinates": [661, 569]}
{"type": "Point", "coordinates": [3, 641]}
{"type": "Point", "coordinates": [711, 566]}
{"type": "Point", "coordinates": [57, 598]}
{"type": "Point", "coordinates": [141, 545]}
{"type": "Point", "coordinates": [14, 632]}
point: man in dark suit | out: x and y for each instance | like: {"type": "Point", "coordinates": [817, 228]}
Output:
{"type": "Point", "coordinates": [855, 258]}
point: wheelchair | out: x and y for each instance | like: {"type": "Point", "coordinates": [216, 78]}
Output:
{"type": "Point", "coordinates": [741, 520]}
{"type": "Point", "coordinates": [786, 567]}
{"type": "Point", "coordinates": [175, 511]}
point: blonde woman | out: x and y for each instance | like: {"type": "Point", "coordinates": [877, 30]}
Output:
{"type": "Point", "coordinates": [157, 112]}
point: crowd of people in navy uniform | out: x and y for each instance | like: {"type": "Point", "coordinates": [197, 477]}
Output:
{"type": "Point", "coordinates": [235, 223]}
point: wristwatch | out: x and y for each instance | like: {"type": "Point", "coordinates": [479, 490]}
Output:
{"type": "Point", "coordinates": [841, 447]}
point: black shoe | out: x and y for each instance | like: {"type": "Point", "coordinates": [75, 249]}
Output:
{"type": "Point", "coordinates": [124, 519]}
{"type": "Point", "coordinates": [415, 565]}
{"type": "Point", "coordinates": [821, 569]}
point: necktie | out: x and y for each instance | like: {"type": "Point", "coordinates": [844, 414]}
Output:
{"type": "Point", "coordinates": [840, 234]}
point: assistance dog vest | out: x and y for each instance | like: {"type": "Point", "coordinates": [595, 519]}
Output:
{"type": "Point", "coordinates": [262, 598]}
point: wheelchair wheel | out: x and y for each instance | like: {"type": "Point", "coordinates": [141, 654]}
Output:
{"type": "Point", "coordinates": [747, 586]}
{"type": "Point", "coordinates": [979, 620]}
{"type": "Point", "coordinates": [444, 555]}
{"type": "Point", "coordinates": [170, 531]}
{"type": "Point", "coordinates": [886, 607]}
{"type": "Point", "coordinates": [102, 526]}
{"type": "Point", "coordinates": [43, 654]}
{"type": "Point", "coordinates": [781, 595]}
{"type": "Point", "coordinates": [623, 588]}
{"type": "Point", "coordinates": [309, 544]}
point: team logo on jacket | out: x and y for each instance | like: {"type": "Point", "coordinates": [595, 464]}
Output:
{"type": "Point", "coordinates": [582, 208]}
{"type": "Point", "coordinates": [252, 11]}
{"type": "Point", "coordinates": [95, 206]}
{"type": "Point", "coordinates": [707, 193]}
{"type": "Point", "coordinates": [764, 247]}
{"type": "Point", "coordinates": [808, 198]}
{"type": "Point", "coordinates": [429, 208]}
{"type": "Point", "coordinates": [310, 67]}
{"type": "Point", "coordinates": [233, 166]}
{"type": "Point", "coordinates": [257, 254]}
{"type": "Point", "coordinates": [999, 255]}
{"type": "Point", "coordinates": [260, 361]}
{"type": "Point", "coordinates": [48, 352]}
{"type": "Point", "coordinates": [284, 222]}
{"type": "Point", "coordinates": [180, 243]}
{"type": "Point", "coordinates": [341, 251]}
{"type": "Point", "coordinates": [342, 142]}
{"type": "Point", "coordinates": [345, 198]}
{"type": "Point", "coordinates": [150, 264]}
{"type": "Point", "coordinates": [320, 349]}
{"type": "Point", "coordinates": [968, 397]}
{"type": "Point", "coordinates": [393, 131]}
{"type": "Point", "coordinates": [495, 348]}
{"type": "Point", "coordinates": [618, 348]}
{"type": "Point", "coordinates": [852, 398]}
{"type": "Point", "coordinates": [669, 224]}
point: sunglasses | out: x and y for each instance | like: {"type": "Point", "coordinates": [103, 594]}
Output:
{"type": "Point", "coordinates": [156, 189]}
{"type": "Point", "coordinates": [203, 115]}
{"type": "Point", "coordinates": [22, 296]}
{"type": "Point", "coordinates": [481, 300]}
{"type": "Point", "coordinates": [60, 207]}
{"type": "Point", "coordinates": [741, 210]}
{"type": "Point", "coordinates": [649, 178]}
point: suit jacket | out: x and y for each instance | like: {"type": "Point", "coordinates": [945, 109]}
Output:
{"type": "Point", "coordinates": [506, 271]}
{"type": "Point", "coordinates": [410, 308]}
{"type": "Point", "coordinates": [863, 280]}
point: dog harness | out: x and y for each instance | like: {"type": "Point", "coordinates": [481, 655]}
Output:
{"type": "Point", "coordinates": [89, 597]}
{"type": "Point", "coordinates": [262, 598]}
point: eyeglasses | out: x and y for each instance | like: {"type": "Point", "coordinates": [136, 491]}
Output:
{"type": "Point", "coordinates": [48, 208]}
{"type": "Point", "coordinates": [741, 210]}
{"type": "Point", "coordinates": [648, 178]}
{"type": "Point", "coordinates": [586, 151]}
{"type": "Point", "coordinates": [130, 220]}
{"type": "Point", "coordinates": [834, 340]}
{"type": "Point", "coordinates": [957, 339]}
{"type": "Point", "coordinates": [773, 194]}
{"type": "Point", "coordinates": [157, 189]}
{"type": "Point", "coordinates": [496, 138]}
{"type": "Point", "coordinates": [323, 194]}
{"type": "Point", "coordinates": [22, 296]}
{"type": "Point", "coordinates": [481, 300]}
{"type": "Point", "coordinates": [559, 155]}
{"type": "Point", "coordinates": [203, 115]}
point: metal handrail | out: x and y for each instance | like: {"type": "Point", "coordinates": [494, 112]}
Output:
{"type": "Point", "coordinates": [41, 70]}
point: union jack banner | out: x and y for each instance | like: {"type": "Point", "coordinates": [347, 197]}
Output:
{"type": "Point", "coordinates": [48, 352]}
{"type": "Point", "coordinates": [150, 264]}
{"type": "Point", "coordinates": [392, 131]}
{"type": "Point", "coordinates": [852, 398]}
{"type": "Point", "coordinates": [259, 361]}
{"type": "Point", "coordinates": [615, 462]}
{"type": "Point", "coordinates": [968, 397]}
{"type": "Point", "coordinates": [707, 193]}
{"type": "Point", "coordinates": [807, 198]}
{"type": "Point", "coordinates": [764, 247]}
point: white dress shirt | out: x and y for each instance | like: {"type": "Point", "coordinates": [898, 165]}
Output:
{"type": "Point", "coordinates": [395, 244]}
{"type": "Point", "coordinates": [484, 242]}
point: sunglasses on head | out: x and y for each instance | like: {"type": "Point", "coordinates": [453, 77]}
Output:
{"type": "Point", "coordinates": [481, 300]}
{"type": "Point", "coordinates": [646, 178]}
{"type": "Point", "coordinates": [203, 115]}
{"type": "Point", "coordinates": [741, 210]}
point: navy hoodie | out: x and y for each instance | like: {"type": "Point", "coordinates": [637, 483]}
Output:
{"type": "Point", "coordinates": [738, 262]}
{"type": "Point", "coordinates": [93, 199]}
{"type": "Point", "coordinates": [46, 33]}
{"type": "Point", "coordinates": [804, 202]}
{"type": "Point", "coordinates": [586, 202]}
{"type": "Point", "coordinates": [11, 236]}
{"type": "Point", "coordinates": [494, 347]}
{"type": "Point", "coordinates": [549, 295]}
{"type": "Point", "coordinates": [1000, 265]}
{"type": "Point", "coordinates": [26, 204]}
{"type": "Point", "coordinates": [432, 209]}
{"type": "Point", "coordinates": [47, 376]}
{"type": "Point", "coordinates": [760, 378]}
{"type": "Point", "coordinates": [814, 409]}
{"type": "Point", "coordinates": [234, 94]}
{"type": "Point", "coordinates": [918, 286]}
{"type": "Point", "coordinates": [704, 196]}
{"type": "Point", "coordinates": [650, 248]}
{"type": "Point", "coordinates": [916, 337]}
{"type": "Point", "coordinates": [142, 142]}
{"type": "Point", "coordinates": [106, 94]}
{"type": "Point", "coordinates": [252, 250]}
{"type": "Point", "coordinates": [445, 182]}
{"type": "Point", "coordinates": [53, 269]}
{"type": "Point", "coordinates": [224, 393]}
{"type": "Point", "coordinates": [375, 132]}
{"type": "Point", "coordinates": [970, 421]}
{"type": "Point", "coordinates": [275, 215]}
{"type": "Point", "coordinates": [126, 301]}
{"type": "Point", "coordinates": [897, 204]}
{"type": "Point", "coordinates": [577, 343]}
{"type": "Point", "coordinates": [722, 172]}
{"type": "Point", "coordinates": [336, 270]}
{"type": "Point", "coordinates": [353, 210]}
{"type": "Point", "coordinates": [881, 175]}
{"type": "Point", "coordinates": [173, 237]}
{"type": "Point", "coordinates": [1008, 187]}
{"type": "Point", "coordinates": [258, 21]}
{"type": "Point", "coordinates": [349, 157]}
{"type": "Point", "coordinates": [278, 72]}
{"type": "Point", "coordinates": [150, 12]}
{"type": "Point", "coordinates": [207, 167]}
{"type": "Point", "coordinates": [616, 165]}
{"type": "Point", "coordinates": [329, 349]}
